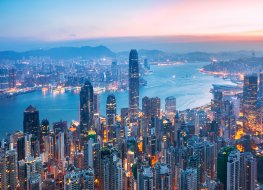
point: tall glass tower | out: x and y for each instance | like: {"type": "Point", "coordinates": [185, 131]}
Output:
{"type": "Point", "coordinates": [133, 85]}
{"type": "Point", "coordinates": [250, 102]}
{"type": "Point", "coordinates": [86, 106]}
{"type": "Point", "coordinates": [111, 110]}
{"type": "Point", "coordinates": [31, 121]}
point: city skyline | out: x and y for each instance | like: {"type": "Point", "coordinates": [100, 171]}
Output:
{"type": "Point", "coordinates": [131, 95]}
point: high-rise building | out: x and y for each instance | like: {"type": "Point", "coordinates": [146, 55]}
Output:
{"type": "Point", "coordinates": [233, 170]}
{"type": "Point", "coordinates": [12, 78]}
{"type": "Point", "coordinates": [124, 115]}
{"type": "Point", "coordinates": [216, 105]}
{"type": "Point", "coordinates": [151, 107]}
{"type": "Point", "coordinates": [79, 160]}
{"type": "Point", "coordinates": [222, 160]}
{"type": "Point", "coordinates": [27, 146]}
{"type": "Point", "coordinates": [146, 107]}
{"type": "Point", "coordinates": [162, 176]}
{"type": "Point", "coordinates": [35, 181]}
{"type": "Point", "coordinates": [60, 147]}
{"type": "Point", "coordinates": [156, 107]}
{"type": "Point", "coordinates": [59, 182]}
{"type": "Point", "coordinates": [20, 148]}
{"type": "Point", "coordinates": [9, 178]}
{"type": "Point", "coordinates": [44, 132]}
{"type": "Point", "coordinates": [87, 179]}
{"type": "Point", "coordinates": [48, 184]}
{"type": "Point", "coordinates": [133, 85]}
{"type": "Point", "coordinates": [31, 121]}
{"type": "Point", "coordinates": [188, 179]}
{"type": "Point", "coordinates": [110, 116]}
{"type": "Point", "coordinates": [145, 178]}
{"type": "Point", "coordinates": [203, 160]}
{"type": "Point", "coordinates": [110, 170]}
{"type": "Point", "coordinates": [86, 106]}
{"type": "Point", "coordinates": [3, 79]}
{"type": "Point", "coordinates": [146, 64]}
{"type": "Point", "coordinates": [260, 103]}
{"type": "Point", "coordinates": [88, 154]}
{"type": "Point", "coordinates": [97, 104]}
{"type": "Point", "coordinates": [170, 105]}
{"type": "Point", "coordinates": [114, 71]}
{"type": "Point", "coordinates": [200, 118]}
{"type": "Point", "coordinates": [72, 180]}
{"type": "Point", "coordinates": [76, 179]}
{"type": "Point", "coordinates": [248, 171]}
{"type": "Point", "coordinates": [250, 102]}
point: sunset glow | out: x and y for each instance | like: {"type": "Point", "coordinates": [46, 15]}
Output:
{"type": "Point", "coordinates": [226, 20]}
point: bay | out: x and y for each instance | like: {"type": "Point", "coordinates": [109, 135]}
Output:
{"type": "Point", "coordinates": [184, 81]}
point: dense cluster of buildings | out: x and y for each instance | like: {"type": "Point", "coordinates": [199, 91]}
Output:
{"type": "Point", "coordinates": [147, 149]}
{"type": "Point", "coordinates": [36, 73]}
{"type": "Point", "coordinates": [7, 78]}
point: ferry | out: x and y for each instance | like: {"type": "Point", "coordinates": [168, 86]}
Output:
{"type": "Point", "coordinates": [99, 90]}
{"type": "Point", "coordinates": [148, 72]}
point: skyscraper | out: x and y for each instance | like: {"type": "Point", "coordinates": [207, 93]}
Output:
{"type": "Point", "coordinates": [146, 107]}
{"type": "Point", "coordinates": [20, 148]}
{"type": "Point", "coordinates": [44, 132]}
{"type": "Point", "coordinates": [188, 179]}
{"type": "Point", "coordinates": [87, 178]}
{"type": "Point", "coordinates": [250, 102]}
{"type": "Point", "coordinates": [96, 104]}
{"type": "Point", "coordinates": [162, 176]}
{"type": "Point", "coordinates": [145, 178]}
{"type": "Point", "coordinates": [88, 154]}
{"type": "Point", "coordinates": [156, 107]}
{"type": "Point", "coordinates": [111, 109]}
{"type": "Point", "coordinates": [260, 102]}
{"type": "Point", "coordinates": [110, 170]}
{"type": "Point", "coordinates": [31, 121]}
{"type": "Point", "coordinates": [110, 115]}
{"type": "Point", "coordinates": [114, 71]}
{"type": "Point", "coordinates": [222, 160]}
{"type": "Point", "coordinates": [11, 78]}
{"type": "Point", "coordinates": [151, 107]}
{"type": "Point", "coordinates": [216, 105]}
{"type": "Point", "coordinates": [233, 170]}
{"type": "Point", "coordinates": [86, 106]}
{"type": "Point", "coordinates": [133, 85]}
{"type": "Point", "coordinates": [10, 174]}
{"type": "Point", "coordinates": [170, 104]}
{"type": "Point", "coordinates": [3, 78]}
{"type": "Point", "coordinates": [248, 171]}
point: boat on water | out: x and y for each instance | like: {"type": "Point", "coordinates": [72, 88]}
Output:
{"type": "Point", "coordinates": [9, 94]}
{"type": "Point", "coordinates": [171, 63]}
{"type": "Point", "coordinates": [148, 72]}
{"type": "Point", "coordinates": [99, 90]}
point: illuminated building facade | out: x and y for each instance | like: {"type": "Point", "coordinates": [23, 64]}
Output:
{"type": "Point", "coordinates": [133, 85]}
{"type": "Point", "coordinates": [188, 179]}
{"type": "Point", "coordinates": [3, 79]}
{"type": "Point", "coordinates": [86, 106]}
{"type": "Point", "coordinates": [170, 104]}
{"type": "Point", "coordinates": [110, 115]}
{"type": "Point", "coordinates": [250, 102]}
{"type": "Point", "coordinates": [12, 78]}
{"type": "Point", "coordinates": [31, 121]}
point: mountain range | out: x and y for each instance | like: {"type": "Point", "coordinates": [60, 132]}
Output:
{"type": "Point", "coordinates": [103, 51]}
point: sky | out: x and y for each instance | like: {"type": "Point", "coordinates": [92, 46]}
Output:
{"type": "Point", "coordinates": [30, 23]}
